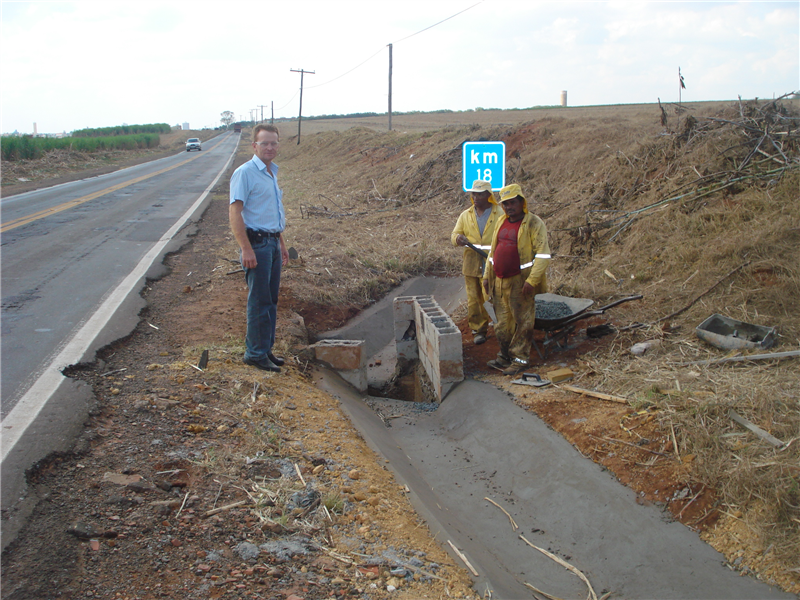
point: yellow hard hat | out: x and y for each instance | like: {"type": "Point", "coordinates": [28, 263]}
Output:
{"type": "Point", "coordinates": [510, 192]}
{"type": "Point", "coordinates": [479, 185]}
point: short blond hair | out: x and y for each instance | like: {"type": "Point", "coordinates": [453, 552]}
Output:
{"type": "Point", "coordinates": [264, 127]}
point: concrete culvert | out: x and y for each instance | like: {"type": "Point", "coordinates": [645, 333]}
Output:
{"type": "Point", "coordinates": [479, 464]}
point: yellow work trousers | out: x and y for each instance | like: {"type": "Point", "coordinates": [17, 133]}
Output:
{"type": "Point", "coordinates": [478, 317]}
{"type": "Point", "coordinates": [515, 318]}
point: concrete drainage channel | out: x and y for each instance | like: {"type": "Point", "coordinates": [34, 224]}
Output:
{"type": "Point", "coordinates": [478, 444]}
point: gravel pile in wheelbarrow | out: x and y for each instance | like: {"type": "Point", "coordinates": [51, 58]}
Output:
{"type": "Point", "coordinates": [550, 311]}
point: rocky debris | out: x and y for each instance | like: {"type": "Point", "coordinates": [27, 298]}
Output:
{"type": "Point", "coordinates": [82, 530]}
{"type": "Point", "coordinates": [551, 311]}
{"type": "Point", "coordinates": [247, 552]}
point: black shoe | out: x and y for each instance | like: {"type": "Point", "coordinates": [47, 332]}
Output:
{"type": "Point", "coordinates": [277, 360]}
{"type": "Point", "coordinates": [264, 365]}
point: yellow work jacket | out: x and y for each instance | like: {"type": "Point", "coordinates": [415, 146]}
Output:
{"type": "Point", "coordinates": [467, 225]}
{"type": "Point", "coordinates": [534, 253]}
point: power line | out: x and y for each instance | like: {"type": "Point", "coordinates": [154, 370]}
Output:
{"type": "Point", "coordinates": [290, 100]}
{"type": "Point", "coordinates": [378, 52]}
{"type": "Point", "coordinates": [348, 72]}
{"type": "Point", "coordinates": [400, 40]}
{"type": "Point", "coordinates": [439, 23]}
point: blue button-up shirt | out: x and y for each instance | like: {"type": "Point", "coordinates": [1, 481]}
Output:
{"type": "Point", "coordinates": [259, 192]}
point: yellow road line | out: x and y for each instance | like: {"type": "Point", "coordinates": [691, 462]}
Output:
{"type": "Point", "coordinates": [13, 224]}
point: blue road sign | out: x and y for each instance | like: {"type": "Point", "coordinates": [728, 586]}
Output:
{"type": "Point", "coordinates": [486, 161]}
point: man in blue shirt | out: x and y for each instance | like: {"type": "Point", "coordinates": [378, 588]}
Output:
{"type": "Point", "coordinates": [257, 219]}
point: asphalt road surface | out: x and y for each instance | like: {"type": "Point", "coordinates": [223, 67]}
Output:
{"type": "Point", "coordinates": [74, 258]}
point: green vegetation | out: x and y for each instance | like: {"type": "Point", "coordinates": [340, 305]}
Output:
{"type": "Point", "coordinates": [29, 148]}
{"type": "Point", "coordinates": [119, 130]}
{"type": "Point", "coordinates": [333, 502]}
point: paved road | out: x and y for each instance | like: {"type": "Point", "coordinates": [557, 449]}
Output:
{"type": "Point", "coordinates": [74, 259]}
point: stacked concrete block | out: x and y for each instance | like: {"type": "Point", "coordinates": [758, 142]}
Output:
{"type": "Point", "coordinates": [438, 341]}
{"type": "Point", "coordinates": [347, 357]}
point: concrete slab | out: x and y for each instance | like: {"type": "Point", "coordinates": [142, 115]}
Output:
{"type": "Point", "coordinates": [479, 445]}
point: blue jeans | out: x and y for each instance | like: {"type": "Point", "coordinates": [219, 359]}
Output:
{"type": "Point", "coordinates": [263, 283]}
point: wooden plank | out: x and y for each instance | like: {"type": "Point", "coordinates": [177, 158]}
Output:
{"type": "Point", "coordinates": [755, 429]}
{"type": "Point", "coordinates": [593, 394]}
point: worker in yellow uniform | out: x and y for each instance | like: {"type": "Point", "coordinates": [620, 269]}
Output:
{"type": "Point", "coordinates": [514, 274]}
{"type": "Point", "coordinates": [476, 226]}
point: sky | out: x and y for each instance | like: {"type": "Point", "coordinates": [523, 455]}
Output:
{"type": "Point", "coordinates": [71, 65]}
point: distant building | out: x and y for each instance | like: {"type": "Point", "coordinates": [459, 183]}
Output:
{"type": "Point", "coordinates": [186, 127]}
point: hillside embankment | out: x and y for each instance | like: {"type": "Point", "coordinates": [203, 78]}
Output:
{"type": "Point", "coordinates": [695, 210]}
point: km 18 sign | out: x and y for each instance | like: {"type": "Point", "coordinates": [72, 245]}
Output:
{"type": "Point", "coordinates": [486, 161]}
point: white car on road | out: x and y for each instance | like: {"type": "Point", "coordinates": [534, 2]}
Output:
{"type": "Point", "coordinates": [193, 144]}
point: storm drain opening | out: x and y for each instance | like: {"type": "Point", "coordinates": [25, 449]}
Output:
{"type": "Point", "coordinates": [409, 383]}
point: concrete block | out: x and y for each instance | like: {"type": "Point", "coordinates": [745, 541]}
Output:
{"type": "Point", "coordinates": [348, 357]}
{"type": "Point", "coordinates": [403, 310]}
{"type": "Point", "coordinates": [451, 370]}
{"type": "Point", "coordinates": [450, 346]}
{"type": "Point", "coordinates": [342, 355]}
{"type": "Point", "coordinates": [437, 344]}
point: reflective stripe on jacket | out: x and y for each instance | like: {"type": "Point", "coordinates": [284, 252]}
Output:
{"type": "Point", "coordinates": [467, 225]}
{"type": "Point", "coordinates": [531, 244]}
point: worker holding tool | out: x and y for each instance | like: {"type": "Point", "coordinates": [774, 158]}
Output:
{"type": "Point", "coordinates": [474, 230]}
{"type": "Point", "coordinates": [515, 272]}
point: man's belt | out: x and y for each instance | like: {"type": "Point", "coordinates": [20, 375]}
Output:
{"type": "Point", "coordinates": [255, 235]}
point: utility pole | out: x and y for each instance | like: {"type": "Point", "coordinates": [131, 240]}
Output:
{"type": "Point", "coordinates": [261, 106]}
{"type": "Point", "coordinates": [390, 87]}
{"type": "Point", "coordinates": [300, 115]}
{"type": "Point", "coordinates": [272, 118]}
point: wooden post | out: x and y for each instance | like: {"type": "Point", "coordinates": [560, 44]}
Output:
{"type": "Point", "coordinates": [300, 114]}
{"type": "Point", "coordinates": [390, 87]}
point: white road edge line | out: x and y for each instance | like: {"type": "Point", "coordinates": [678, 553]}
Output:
{"type": "Point", "coordinates": [31, 404]}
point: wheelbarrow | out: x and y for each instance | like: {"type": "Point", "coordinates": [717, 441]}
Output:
{"type": "Point", "coordinates": [556, 315]}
